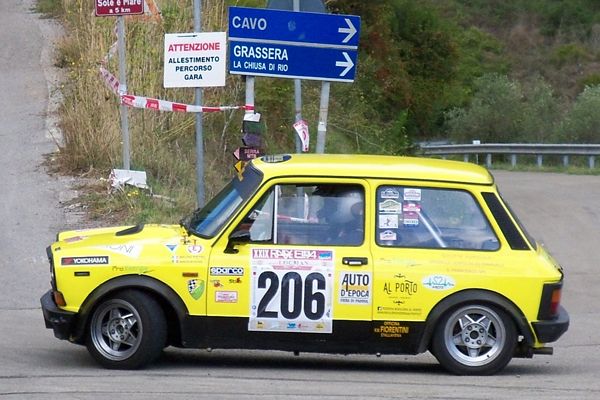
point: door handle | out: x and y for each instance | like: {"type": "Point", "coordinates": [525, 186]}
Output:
{"type": "Point", "coordinates": [355, 261]}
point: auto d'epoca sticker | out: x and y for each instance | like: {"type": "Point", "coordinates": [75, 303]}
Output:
{"type": "Point", "coordinates": [291, 290]}
{"type": "Point", "coordinates": [355, 288]}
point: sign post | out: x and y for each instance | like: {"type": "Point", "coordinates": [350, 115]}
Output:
{"type": "Point", "coordinates": [200, 192]}
{"type": "Point", "coordinates": [106, 8]}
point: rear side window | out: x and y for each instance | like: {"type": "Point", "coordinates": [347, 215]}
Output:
{"type": "Point", "coordinates": [508, 228]}
{"type": "Point", "coordinates": [431, 218]}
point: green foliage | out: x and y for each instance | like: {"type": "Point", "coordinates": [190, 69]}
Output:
{"type": "Point", "coordinates": [502, 111]}
{"type": "Point", "coordinates": [541, 113]}
{"type": "Point", "coordinates": [571, 53]}
{"type": "Point", "coordinates": [495, 113]}
{"type": "Point", "coordinates": [49, 8]}
{"type": "Point", "coordinates": [592, 79]}
{"type": "Point", "coordinates": [479, 53]}
{"type": "Point", "coordinates": [569, 16]}
{"type": "Point", "coordinates": [582, 123]}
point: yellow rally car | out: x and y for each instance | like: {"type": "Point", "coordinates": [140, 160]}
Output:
{"type": "Point", "coordinates": [318, 253]}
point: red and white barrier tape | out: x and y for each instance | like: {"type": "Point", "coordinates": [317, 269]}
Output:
{"type": "Point", "coordinates": [154, 104]}
{"type": "Point", "coordinates": [162, 105]}
{"type": "Point", "coordinates": [110, 80]}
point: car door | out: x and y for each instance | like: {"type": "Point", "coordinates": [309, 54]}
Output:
{"type": "Point", "coordinates": [297, 260]}
{"type": "Point", "coordinates": [431, 240]}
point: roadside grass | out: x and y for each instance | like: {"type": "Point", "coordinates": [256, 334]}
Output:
{"type": "Point", "coordinates": [48, 8]}
{"type": "Point", "coordinates": [162, 143]}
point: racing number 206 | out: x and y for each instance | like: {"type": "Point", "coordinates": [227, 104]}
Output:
{"type": "Point", "coordinates": [297, 295]}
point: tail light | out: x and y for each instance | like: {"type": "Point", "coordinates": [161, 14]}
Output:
{"type": "Point", "coordinates": [550, 302]}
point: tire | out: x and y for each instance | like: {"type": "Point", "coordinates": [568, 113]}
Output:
{"type": "Point", "coordinates": [474, 339]}
{"type": "Point", "coordinates": [126, 331]}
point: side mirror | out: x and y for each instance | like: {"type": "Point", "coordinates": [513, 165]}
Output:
{"type": "Point", "coordinates": [237, 237]}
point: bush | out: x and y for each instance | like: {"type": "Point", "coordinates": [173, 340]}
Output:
{"type": "Point", "coordinates": [503, 111]}
{"type": "Point", "coordinates": [495, 113]}
{"type": "Point", "coordinates": [569, 54]}
{"type": "Point", "coordinates": [582, 123]}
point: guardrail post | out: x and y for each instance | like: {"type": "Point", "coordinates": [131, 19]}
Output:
{"type": "Point", "coordinates": [591, 162]}
{"type": "Point", "coordinates": [540, 160]}
{"type": "Point", "coordinates": [565, 160]}
{"type": "Point", "coordinates": [488, 160]}
{"type": "Point", "coordinates": [466, 158]}
{"type": "Point", "coordinates": [513, 160]}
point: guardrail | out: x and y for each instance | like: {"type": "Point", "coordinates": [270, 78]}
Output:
{"type": "Point", "coordinates": [591, 151]}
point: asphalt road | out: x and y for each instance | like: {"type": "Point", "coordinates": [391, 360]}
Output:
{"type": "Point", "coordinates": [560, 210]}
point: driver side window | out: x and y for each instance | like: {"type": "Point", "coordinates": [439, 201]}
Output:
{"type": "Point", "coordinates": [321, 214]}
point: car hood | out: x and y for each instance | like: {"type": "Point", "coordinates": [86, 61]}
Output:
{"type": "Point", "coordinates": [126, 245]}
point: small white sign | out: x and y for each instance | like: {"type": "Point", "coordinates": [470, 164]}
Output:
{"type": "Point", "coordinates": [195, 59]}
{"type": "Point", "coordinates": [301, 128]}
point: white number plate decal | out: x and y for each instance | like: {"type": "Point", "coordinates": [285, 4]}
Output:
{"type": "Point", "coordinates": [291, 290]}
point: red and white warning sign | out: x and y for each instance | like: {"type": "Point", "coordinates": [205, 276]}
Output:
{"type": "Point", "coordinates": [195, 59]}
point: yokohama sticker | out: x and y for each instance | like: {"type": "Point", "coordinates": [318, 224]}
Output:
{"type": "Point", "coordinates": [89, 260]}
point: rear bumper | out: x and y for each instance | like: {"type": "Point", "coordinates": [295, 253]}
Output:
{"type": "Point", "coordinates": [550, 331]}
{"type": "Point", "coordinates": [60, 321]}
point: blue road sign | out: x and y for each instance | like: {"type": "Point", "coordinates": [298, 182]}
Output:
{"type": "Point", "coordinates": [290, 44]}
{"type": "Point", "coordinates": [297, 27]}
{"type": "Point", "coordinates": [292, 61]}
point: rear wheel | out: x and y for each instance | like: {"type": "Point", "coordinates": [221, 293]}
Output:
{"type": "Point", "coordinates": [474, 339]}
{"type": "Point", "coordinates": [126, 331]}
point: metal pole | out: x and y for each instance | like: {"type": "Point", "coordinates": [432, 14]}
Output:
{"type": "Point", "coordinates": [250, 93]}
{"type": "Point", "coordinates": [323, 109]}
{"type": "Point", "coordinates": [199, 137]}
{"type": "Point", "coordinates": [123, 90]}
{"type": "Point", "coordinates": [298, 95]}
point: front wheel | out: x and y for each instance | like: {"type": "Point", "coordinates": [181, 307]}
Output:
{"type": "Point", "coordinates": [474, 339]}
{"type": "Point", "coordinates": [126, 331]}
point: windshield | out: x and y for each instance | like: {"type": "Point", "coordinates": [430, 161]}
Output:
{"type": "Point", "coordinates": [208, 220]}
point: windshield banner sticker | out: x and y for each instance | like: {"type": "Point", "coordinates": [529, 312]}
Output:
{"type": "Point", "coordinates": [291, 290]}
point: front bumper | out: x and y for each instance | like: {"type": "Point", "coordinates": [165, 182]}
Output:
{"type": "Point", "coordinates": [60, 321]}
{"type": "Point", "coordinates": [551, 330]}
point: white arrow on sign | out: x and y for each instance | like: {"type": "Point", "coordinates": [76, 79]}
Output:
{"type": "Point", "coordinates": [350, 30]}
{"type": "Point", "coordinates": [348, 64]}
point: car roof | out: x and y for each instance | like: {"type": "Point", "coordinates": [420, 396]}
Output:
{"type": "Point", "coordinates": [372, 166]}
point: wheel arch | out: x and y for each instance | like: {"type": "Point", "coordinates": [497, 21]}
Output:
{"type": "Point", "coordinates": [470, 296]}
{"type": "Point", "coordinates": [173, 306]}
